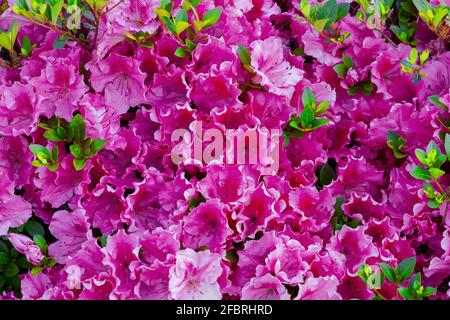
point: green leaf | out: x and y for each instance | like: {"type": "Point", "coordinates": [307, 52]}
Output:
{"type": "Point", "coordinates": [5, 41]}
{"type": "Point", "coordinates": [244, 55]}
{"type": "Point", "coordinates": [2, 281]}
{"type": "Point", "coordinates": [320, 24]}
{"type": "Point", "coordinates": [326, 174]}
{"type": "Point", "coordinates": [436, 173]}
{"type": "Point", "coordinates": [4, 258]}
{"type": "Point", "coordinates": [11, 270]}
{"type": "Point", "coordinates": [429, 291]}
{"type": "Point", "coordinates": [23, 263]}
{"type": "Point", "coordinates": [435, 100]}
{"type": "Point", "coordinates": [404, 292]}
{"type": "Point", "coordinates": [415, 282]}
{"type": "Point", "coordinates": [343, 9]}
{"type": "Point", "coordinates": [181, 16]}
{"type": "Point", "coordinates": [169, 24]}
{"type": "Point", "coordinates": [340, 69]}
{"type": "Point", "coordinates": [77, 151]}
{"type": "Point", "coordinates": [421, 156]}
{"type": "Point", "coordinates": [180, 52]}
{"type": "Point", "coordinates": [52, 136]}
{"type": "Point", "coordinates": [388, 272]}
{"type": "Point", "coordinates": [40, 242]}
{"type": "Point", "coordinates": [307, 117]}
{"type": "Point", "coordinates": [211, 17]}
{"type": "Point", "coordinates": [59, 42]}
{"type": "Point", "coordinates": [322, 107]}
{"type": "Point", "coordinates": [180, 26]}
{"type": "Point", "coordinates": [420, 173]}
{"type": "Point", "coordinates": [56, 10]}
{"type": "Point", "coordinates": [319, 122]}
{"type": "Point", "coordinates": [98, 145]}
{"type": "Point", "coordinates": [348, 62]}
{"type": "Point", "coordinates": [36, 270]}
{"type": "Point", "coordinates": [79, 164]}
{"type": "Point", "coordinates": [37, 149]}
{"type": "Point", "coordinates": [34, 227]}
{"type": "Point", "coordinates": [77, 128]}
{"type": "Point", "coordinates": [433, 146]}
{"type": "Point", "coordinates": [3, 246]}
{"type": "Point", "coordinates": [405, 269]}
{"type": "Point", "coordinates": [433, 204]}
{"type": "Point", "coordinates": [26, 46]}
{"type": "Point", "coordinates": [13, 31]}
{"type": "Point", "coordinates": [308, 98]}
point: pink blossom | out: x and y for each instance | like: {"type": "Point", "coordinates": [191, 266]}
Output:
{"type": "Point", "coordinates": [195, 275]}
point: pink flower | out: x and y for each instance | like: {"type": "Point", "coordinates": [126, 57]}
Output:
{"type": "Point", "coordinates": [120, 79]}
{"type": "Point", "coordinates": [17, 110]}
{"type": "Point", "coordinates": [206, 225]}
{"type": "Point", "coordinates": [14, 210]}
{"type": "Point", "coordinates": [25, 245]}
{"type": "Point", "coordinates": [121, 258]}
{"type": "Point", "coordinates": [266, 287]}
{"type": "Point", "coordinates": [15, 159]}
{"type": "Point", "coordinates": [287, 262]}
{"type": "Point", "coordinates": [195, 276]}
{"type": "Point", "coordinates": [60, 87]}
{"type": "Point", "coordinates": [352, 247]}
{"type": "Point", "coordinates": [322, 288]}
{"type": "Point", "coordinates": [314, 207]}
{"type": "Point", "coordinates": [71, 229]}
{"type": "Point", "coordinates": [272, 69]}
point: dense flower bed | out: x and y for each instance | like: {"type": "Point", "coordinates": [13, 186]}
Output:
{"type": "Point", "coordinates": [93, 207]}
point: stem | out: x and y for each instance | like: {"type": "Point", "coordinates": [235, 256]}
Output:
{"type": "Point", "coordinates": [378, 293]}
{"type": "Point", "coordinates": [439, 185]}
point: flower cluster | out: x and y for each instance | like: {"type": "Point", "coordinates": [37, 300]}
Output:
{"type": "Point", "coordinates": [93, 207]}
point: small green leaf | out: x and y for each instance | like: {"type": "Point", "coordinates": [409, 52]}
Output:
{"type": "Point", "coordinates": [308, 98]}
{"type": "Point", "coordinates": [4, 258]}
{"type": "Point", "coordinates": [319, 122]}
{"type": "Point", "coordinates": [77, 151]}
{"type": "Point", "coordinates": [77, 128]}
{"type": "Point", "coordinates": [98, 145]}
{"type": "Point", "coordinates": [40, 242]}
{"type": "Point", "coordinates": [340, 69]}
{"type": "Point", "coordinates": [307, 117]}
{"type": "Point", "coordinates": [26, 46]}
{"type": "Point", "coordinates": [52, 136]}
{"type": "Point", "coordinates": [322, 107]}
{"type": "Point", "coordinates": [420, 173]}
{"type": "Point", "coordinates": [436, 173]}
{"type": "Point", "coordinates": [429, 291]}
{"type": "Point", "coordinates": [404, 292]}
{"type": "Point", "coordinates": [388, 272]}
{"type": "Point", "coordinates": [79, 164]}
{"type": "Point", "coordinates": [23, 263]}
{"type": "Point", "coordinates": [59, 42]}
{"type": "Point", "coordinates": [405, 268]}
{"type": "Point", "coordinates": [36, 270]}
{"type": "Point", "coordinates": [244, 55]}
{"type": "Point", "coordinates": [11, 270]}
{"type": "Point", "coordinates": [326, 174]}
{"type": "Point", "coordinates": [348, 62]}
{"type": "Point", "coordinates": [34, 227]}
{"type": "Point", "coordinates": [211, 17]}
{"type": "Point", "coordinates": [180, 52]}
{"type": "Point", "coordinates": [181, 16]}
